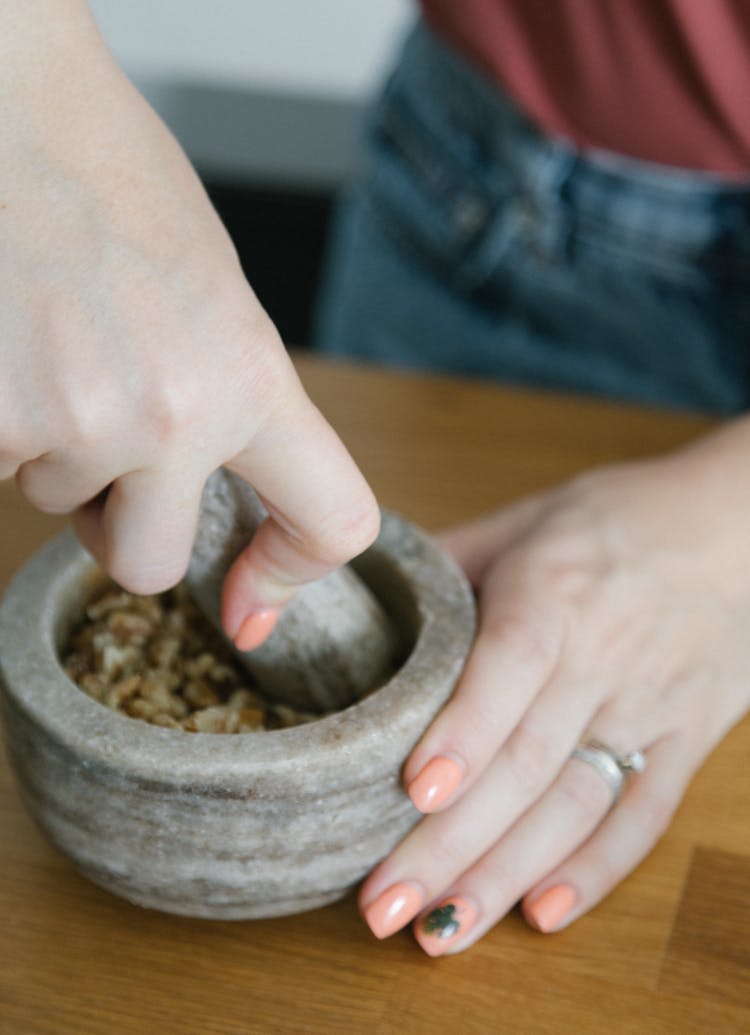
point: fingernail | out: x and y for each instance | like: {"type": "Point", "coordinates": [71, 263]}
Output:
{"type": "Point", "coordinates": [394, 908]}
{"type": "Point", "coordinates": [444, 925]}
{"type": "Point", "coordinates": [256, 629]}
{"type": "Point", "coordinates": [551, 908]}
{"type": "Point", "coordinates": [435, 784]}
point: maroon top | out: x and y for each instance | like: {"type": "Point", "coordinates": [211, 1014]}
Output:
{"type": "Point", "coordinates": [666, 81]}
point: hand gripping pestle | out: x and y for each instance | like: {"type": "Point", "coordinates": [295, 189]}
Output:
{"type": "Point", "coordinates": [333, 643]}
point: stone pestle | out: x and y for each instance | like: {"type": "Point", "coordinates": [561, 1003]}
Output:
{"type": "Point", "coordinates": [333, 642]}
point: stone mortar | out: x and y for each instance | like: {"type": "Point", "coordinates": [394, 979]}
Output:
{"type": "Point", "coordinates": [226, 825]}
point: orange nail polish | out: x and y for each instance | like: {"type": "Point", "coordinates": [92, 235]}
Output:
{"type": "Point", "coordinates": [394, 908]}
{"type": "Point", "coordinates": [550, 909]}
{"type": "Point", "coordinates": [435, 784]}
{"type": "Point", "coordinates": [256, 629]}
{"type": "Point", "coordinates": [444, 925]}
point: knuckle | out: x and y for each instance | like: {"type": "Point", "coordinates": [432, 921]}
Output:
{"type": "Point", "coordinates": [522, 641]}
{"type": "Point", "coordinates": [518, 638]}
{"type": "Point", "coordinates": [30, 487]}
{"type": "Point", "coordinates": [82, 412]}
{"type": "Point", "coordinates": [43, 494]}
{"type": "Point", "coordinates": [479, 724]}
{"type": "Point", "coordinates": [361, 527]}
{"type": "Point", "coordinates": [483, 719]}
{"type": "Point", "coordinates": [569, 581]}
{"type": "Point", "coordinates": [585, 790]}
{"type": "Point", "coordinates": [346, 534]}
{"type": "Point", "coordinates": [447, 855]}
{"type": "Point", "coordinates": [602, 869]}
{"type": "Point", "coordinates": [568, 547]}
{"type": "Point", "coordinates": [141, 578]}
{"type": "Point", "coordinates": [52, 506]}
{"type": "Point", "coordinates": [528, 756]}
{"type": "Point", "coordinates": [83, 423]}
{"type": "Point", "coordinates": [169, 408]}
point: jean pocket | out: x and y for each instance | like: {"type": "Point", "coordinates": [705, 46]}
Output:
{"type": "Point", "coordinates": [429, 183]}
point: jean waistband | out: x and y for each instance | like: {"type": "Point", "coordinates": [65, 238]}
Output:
{"type": "Point", "coordinates": [680, 208]}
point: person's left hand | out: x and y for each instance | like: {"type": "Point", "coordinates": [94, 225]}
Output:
{"type": "Point", "coordinates": [615, 609]}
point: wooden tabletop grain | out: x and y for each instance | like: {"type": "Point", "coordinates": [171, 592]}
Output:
{"type": "Point", "coordinates": [668, 951]}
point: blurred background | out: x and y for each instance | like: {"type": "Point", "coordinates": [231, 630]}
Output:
{"type": "Point", "coordinates": [266, 97]}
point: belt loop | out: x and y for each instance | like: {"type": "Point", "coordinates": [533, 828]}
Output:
{"type": "Point", "coordinates": [549, 215]}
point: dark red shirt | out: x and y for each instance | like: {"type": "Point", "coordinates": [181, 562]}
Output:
{"type": "Point", "coordinates": [667, 81]}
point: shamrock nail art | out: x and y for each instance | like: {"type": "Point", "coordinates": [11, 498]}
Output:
{"type": "Point", "coordinates": [445, 923]}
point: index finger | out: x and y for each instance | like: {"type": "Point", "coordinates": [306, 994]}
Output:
{"type": "Point", "coordinates": [516, 653]}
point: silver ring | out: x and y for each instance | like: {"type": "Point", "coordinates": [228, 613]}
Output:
{"type": "Point", "coordinates": [613, 768]}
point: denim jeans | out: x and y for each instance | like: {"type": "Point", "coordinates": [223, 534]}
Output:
{"type": "Point", "coordinates": [473, 243]}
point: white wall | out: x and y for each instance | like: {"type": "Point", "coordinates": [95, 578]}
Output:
{"type": "Point", "coordinates": [333, 47]}
{"type": "Point", "coordinates": [268, 90]}
{"type": "Point", "coordinates": [264, 90]}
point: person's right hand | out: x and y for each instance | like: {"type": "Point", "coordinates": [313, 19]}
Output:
{"type": "Point", "coordinates": [134, 357]}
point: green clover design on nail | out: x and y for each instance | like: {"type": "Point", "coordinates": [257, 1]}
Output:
{"type": "Point", "coordinates": [442, 921]}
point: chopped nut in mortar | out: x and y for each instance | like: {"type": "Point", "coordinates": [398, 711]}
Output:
{"type": "Point", "coordinates": [156, 658]}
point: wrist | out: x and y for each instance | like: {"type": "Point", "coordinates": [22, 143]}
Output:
{"type": "Point", "coordinates": [44, 41]}
{"type": "Point", "coordinates": [714, 477]}
{"type": "Point", "coordinates": [54, 64]}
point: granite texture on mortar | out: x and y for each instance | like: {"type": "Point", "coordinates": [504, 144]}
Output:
{"type": "Point", "coordinates": [216, 825]}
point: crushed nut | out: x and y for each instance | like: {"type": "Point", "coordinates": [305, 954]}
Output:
{"type": "Point", "coordinates": [156, 658]}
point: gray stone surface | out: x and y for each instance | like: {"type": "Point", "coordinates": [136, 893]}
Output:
{"type": "Point", "coordinates": [220, 825]}
{"type": "Point", "coordinates": [333, 641]}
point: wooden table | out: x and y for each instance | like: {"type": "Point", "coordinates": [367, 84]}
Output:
{"type": "Point", "coordinates": [668, 951]}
